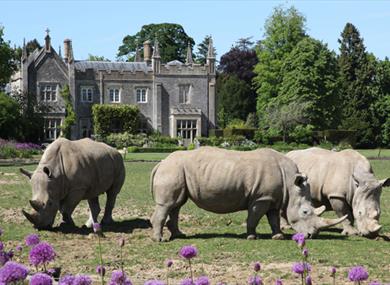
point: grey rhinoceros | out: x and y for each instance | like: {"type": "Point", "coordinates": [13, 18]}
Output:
{"type": "Point", "coordinates": [262, 181]}
{"type": "Point", "coordinates": [71, 171]}
{"type": "Point", "coordinates": [344, 182]}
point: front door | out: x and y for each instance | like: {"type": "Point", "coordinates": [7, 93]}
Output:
{"type": "Point", "coordinates": [187, 130]}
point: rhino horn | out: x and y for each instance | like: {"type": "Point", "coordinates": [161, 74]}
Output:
{"type": "Point", "coordinates": [29, 217]}
{"type": "Point", "coordinates": [320, 210]}
{"type": "Point", "coordinates": [326, 223]}
{"type": "Point", "coordinates": [26, 172]}
{"type": "Point", "coordinates": [36, 205]}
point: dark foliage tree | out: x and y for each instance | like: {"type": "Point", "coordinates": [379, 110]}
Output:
{"type": "Point", "coordinates": [7, 60]}
{"type": "Point", "coordinates": [9, 117]}
{"type": "Point", "coordinates": [92, 57]}
{"type": "Point", "coordinates": [31, 46]}
{"type": "Point", "coordinates": [172, 39]}
{"type": "Point", "coordinates": [356, 74]}
{"type": "Point", "coordinates": [203, 48]}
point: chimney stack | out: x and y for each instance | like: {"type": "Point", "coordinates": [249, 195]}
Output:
{"type": "Point", "coordinates": [147, 52]}
{"type": "Point", "coordinates": [67, 50]}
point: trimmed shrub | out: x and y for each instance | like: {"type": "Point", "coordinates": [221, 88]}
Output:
{"type": "Point", "coordinates": [108, 118]}
{"type": "Point", "coordinates": [154, 149]}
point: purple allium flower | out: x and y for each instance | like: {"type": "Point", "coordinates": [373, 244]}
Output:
{"type": "Point", "coordinates": [82, 280]}
{"type": "Point", "coordinates": [51, 271]}
{"type": "Point", "coordinates": [3, 258]}
{"type": "Point", "coordinates": [118, 277]}
{"type": "Point", "coordinates": [278, 282]}
{"type": "Point", "coordinates": [374, 283]}
{"type": "Point", "coordinates": [19, 247]}
{"type": "Point", "coordinates": [10, 254]}
{"type": "Point", "coordinates": [305, 252]}
{"type": "Point", "coordinates": [32, 239]}
{"type": "Point", "coordinates": [154, 282]}
{"type": "Point", "coordinates": [97, 227]}
{"type": "Point", "coordinates": [101, 270]}
{"type": "Point", "coordinates": [41, 279]}
{"type": "Point", "coordinates": [357, 273]}
{"type": "Point", "coordinates": [299, 238]}
{"type": "Point", "coordinates": [188, 251]}
{"type": "Point", "coordinates": [1, 246]}
{"type": "Point", "coordinates": [308, 280]}
{"type": "Point", "coordinates": [257, 266]}
{"type": "Point", "coordinates": [12, 272]}
{"type": "Point", "coordinates": [255, 280]}
{"type": "Point", "coordinates": [300, 268]}
{"type": "Point", "coordinates": [66, 280]}
{"type": "Point", "coordinates": [169, 262]}
{"type": "Point", "coordinates": [202, 280]}
{"type": "Point", "coordinates": [41, 253]}
{"type": "Point", "coordinates": [333, 271]}
{"type": "Point", "coordinates": [186, 281]}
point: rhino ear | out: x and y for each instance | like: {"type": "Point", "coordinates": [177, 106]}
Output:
{"type": "Point", "coordinates": [300, 178]}
{"type": "Point", "coordinates": [385, 182]}
{"type": "Point", "coordinates": [47, 171]}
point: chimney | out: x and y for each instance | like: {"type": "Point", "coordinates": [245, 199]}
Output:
{"type": "Point", "coordinates": [147, 52]}
{"type": "Point", "coordinates": [47, 41]}
{"type": "Point", "coordinates": [67, 49]}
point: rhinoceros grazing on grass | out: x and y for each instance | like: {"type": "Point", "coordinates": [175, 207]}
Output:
{"type": "Point", "coordinates": [71, 171]}
{"type": "Point", "coordinates": [262, 181]}
{"type": "Point", "coordinates": [344, 182]}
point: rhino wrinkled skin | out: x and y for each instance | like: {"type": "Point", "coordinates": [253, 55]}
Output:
{"type": "Point", "coordinates": [262, 181]}
{"type": "Point", "coordinates": [345, 183]}
{"type": "Point", "coordinates": [71, 171]}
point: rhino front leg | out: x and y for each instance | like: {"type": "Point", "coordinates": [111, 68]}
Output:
{"type": "Point", "coordinates": [274, 221]}
{"type": "Point", "coordinates": [173, 224]}
{"type": "Point", "coordinates": [255, 212]}
{"type": "Point", "coordinates": [342, 208]}
{"type": "Point", "coordinates": [110, 203]}
{"type": "Point", "coordinates": [94, 210]}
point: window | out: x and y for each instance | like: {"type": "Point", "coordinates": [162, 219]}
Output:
{"type": "Point", "coordinates": [141, 95]}
{"type": "Point", "coordinates": [114, 95]}
{"type": "Point", "coordinates": [187, 129]}
{"type": "Point", "coordinates": [86, 94]}
{"type": "Point", "coordinates": [52, 128]}
{"type": "Point", "coordinates": [184, 94]}
{"type": "Point", "coordinates": [49, 92]}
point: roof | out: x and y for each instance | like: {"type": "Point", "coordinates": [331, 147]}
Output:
{"type": "Point", "coordinates": [106, 65]}
{"type": "Point", "coordinates": [175, 62]}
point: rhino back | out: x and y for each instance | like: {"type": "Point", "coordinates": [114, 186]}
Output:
{"type": "Point", "coordinates": [86, 164]}
{"type": "Point", "coordinates": [225, 181]}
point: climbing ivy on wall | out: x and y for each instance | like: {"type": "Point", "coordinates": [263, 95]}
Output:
{"type": "Point", "coordinates": [70, 115]}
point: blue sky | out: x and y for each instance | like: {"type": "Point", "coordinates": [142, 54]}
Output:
{"type": "Point", "coordinates": [98, 27]}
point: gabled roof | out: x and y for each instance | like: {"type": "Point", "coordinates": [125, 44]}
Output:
{"type": "Point", "coordinates": [106, 65]}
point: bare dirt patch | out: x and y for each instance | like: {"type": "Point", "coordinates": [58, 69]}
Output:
{"type": "Point", "coordinates": [11, 216]}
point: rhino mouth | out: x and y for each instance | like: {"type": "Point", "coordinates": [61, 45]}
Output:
{"type": "Point", "coordinates": [34, 219]}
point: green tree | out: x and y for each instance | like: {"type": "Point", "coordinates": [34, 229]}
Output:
{"type": "Point", "coordinates": [9, 117]}
{"type": "Point", "coordinates": [310, 75]}
{"type": "Point", "coordinates": [203, 48]}
{"type": "Point", "coordinates": [31, 46]}
{"type": "Point", "coordinates": [92, 57]}
{"type": "Point", "coordinates": [70, 115]}
{"type": "Point", "coordinates": [7, 60]}
{"type": "Point", "coordinates": [232, 97]}
{"type": "Point", "coordinates": [172, 39]}
{"type": "Point", "coordinates": [356, 74]}
{"type": "Point", "coordinates": [283, 30]}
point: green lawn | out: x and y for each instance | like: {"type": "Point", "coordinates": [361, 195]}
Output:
{"type": "Point", "coordinates": [225, 254]}
{"type": "Point", "coordinates": [145, 156]}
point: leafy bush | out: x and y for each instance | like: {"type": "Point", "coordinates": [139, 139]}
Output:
{"type": "Point", "coordinates": [154, 149]}
{"type": "Point", "coordinates": [302, 134]}
{"type": "Point", "coordinates": [236, 124]}
{"type": "Point", "coordinates": [121, 140]}
{"type": "Point", "coordinates": [115, 119]}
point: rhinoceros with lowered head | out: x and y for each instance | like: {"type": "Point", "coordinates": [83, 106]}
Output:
{"type": "Point", "coordinates": [345, 183]}
{"type": "Point", "coordinates": [71, 171]}
{"type": "Point", "coordinates": [263, 182]}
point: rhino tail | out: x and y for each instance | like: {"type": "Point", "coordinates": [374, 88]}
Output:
{"type": "Point", "coordinates": [152, 178]}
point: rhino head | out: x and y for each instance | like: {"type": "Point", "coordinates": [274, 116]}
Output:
{"type": "Point", "coordinates": [366, 204]}
{"type": "Point", "coordinates": [301, 215]}
{"type": "Point", "coordinates": [45, 198]}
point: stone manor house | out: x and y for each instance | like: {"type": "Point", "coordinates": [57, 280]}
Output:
{"type": "Point", "coordinates": [174, 98]}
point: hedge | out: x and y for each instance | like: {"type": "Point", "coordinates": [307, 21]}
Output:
{"type": "Point", "coordinates": [154, 149]}
{"type": "Point", "coordinates": [109, 118]}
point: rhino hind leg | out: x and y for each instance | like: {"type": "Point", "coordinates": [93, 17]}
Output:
{"type": "Point", "coordinates": [94, 210]}
{"type": "Point", "coordinates": [173, 224]}
{"type": "Point", "coordinates": [158, 220]}
{"type": "Point", "coordinates": [274, 221]}
{"type": "Point", "coordinates": [256, 210]}
{"type": "Point", "coordinates": [110, 203]}
{"type": "Point", "coordinates": [342, 208]}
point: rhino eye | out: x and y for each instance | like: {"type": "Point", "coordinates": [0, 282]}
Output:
{"type": "Point", "coordinates": [360, 213]}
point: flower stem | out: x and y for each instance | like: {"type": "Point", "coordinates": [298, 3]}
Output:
{"type": "Point", "coordinates": [121, 260]}
{"type": "Point", "coordinates": [101, 261]}
{"type": "Point", "coordinates": [167, 275]}
{"type": "Point", "coordinates": [192, 277]}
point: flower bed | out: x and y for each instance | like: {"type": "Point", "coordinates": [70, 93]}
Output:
{"type": "Point", "coordinates": [11, 149]}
